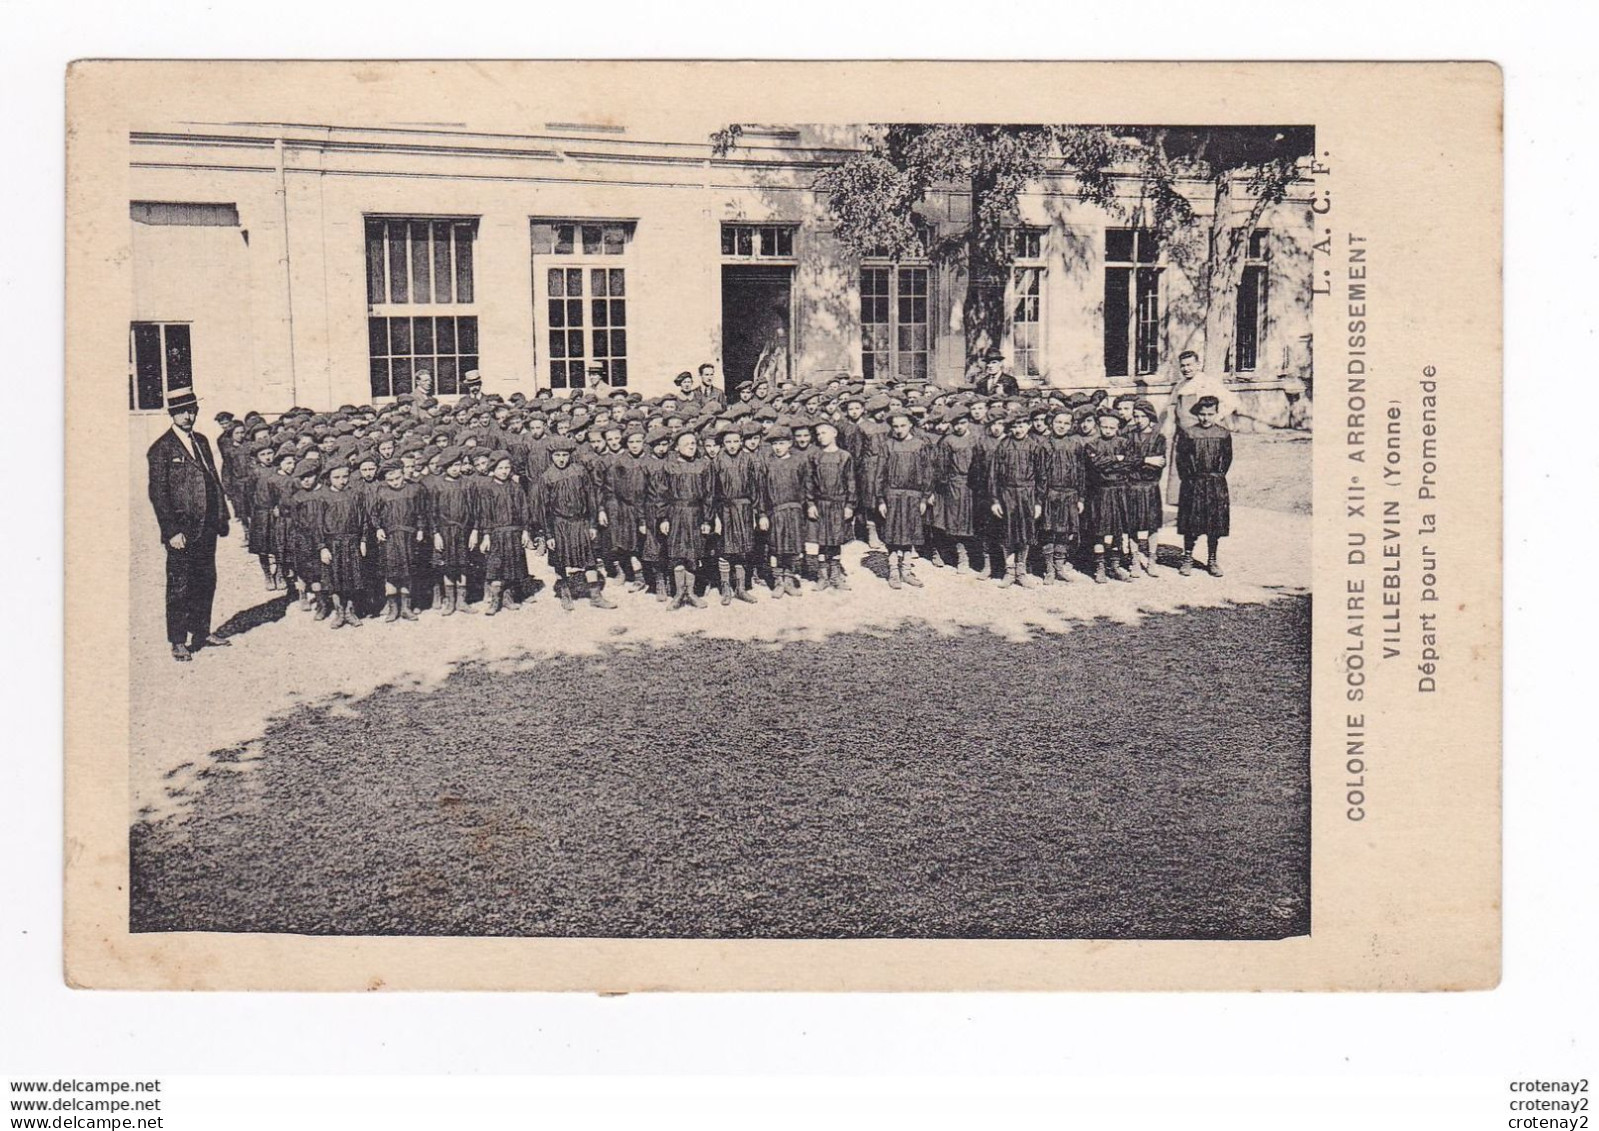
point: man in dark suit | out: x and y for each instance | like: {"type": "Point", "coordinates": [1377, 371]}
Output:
{"type": "Point", "coordinates": [186, 492]}
{"type": "Point", "coordinates": [994, 381]}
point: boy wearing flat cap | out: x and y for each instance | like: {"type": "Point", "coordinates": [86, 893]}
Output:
{"type": "Point", "coordinates": [624, 503]}
{"type": "Point", "coordinates": [452, 521]}
{"type": "Point", "coordinates": [397, 531]}
{"type": "Point", "coordinates": [904, 492]}
{"type": "Point", "coordinates": [1204, 507]}
{"type": "Point", "coordinates": [567, 510]}
{"type": "Point", "coordinates": [1063, 496]}
{"type": "Point", "coordinates": [342, 545]}
{"type": "Point", "coordinates": [1148, 446]}
{"type": "Point", "coordinates": [502, 534]}
{"type": "Point", "coordinates": [1110, 467]}
{"type": "Point", "coordinates": [681, 501]}
{"type": "Point", "coordinates": [1016, 489]}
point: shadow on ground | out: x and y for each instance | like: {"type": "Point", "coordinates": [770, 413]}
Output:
{"type": "Point", "coordinates": [1119, 781]}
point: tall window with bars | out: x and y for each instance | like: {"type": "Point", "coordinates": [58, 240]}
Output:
{"type": "Point", "coordinates": [159, 363]}
{"type": "Point", "coordinates": [580, 290]}
{"type": "Point", "coordinates": [1249, 331]}
{"type": "Point", "coordinates": [420, 295]}
{"type": "Point", "coordinates": [1132, 302]}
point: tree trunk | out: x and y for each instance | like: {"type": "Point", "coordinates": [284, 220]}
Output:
{"type": "Point", "coordinates": [1222, 278]}
{"type": "Point", "coordinates": [984, 315]}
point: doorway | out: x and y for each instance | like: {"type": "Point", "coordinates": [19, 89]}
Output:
{"type": "Point", "coordinates": [757, 325]}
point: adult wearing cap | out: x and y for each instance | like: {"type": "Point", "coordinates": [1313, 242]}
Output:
{"type": "Point", "coordinates": [186, 494]}
{"type": "Point", "coordinates": [994, 381]}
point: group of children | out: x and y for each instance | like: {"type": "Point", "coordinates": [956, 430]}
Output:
{"type": "Point", "coordinates": [366, 511]}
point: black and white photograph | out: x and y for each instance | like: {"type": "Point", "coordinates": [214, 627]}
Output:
{"type": "Point", "coordinates": [884, 530]}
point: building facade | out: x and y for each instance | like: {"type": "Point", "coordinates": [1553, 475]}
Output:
{"type": "Point", "coordinates": [277, 265]}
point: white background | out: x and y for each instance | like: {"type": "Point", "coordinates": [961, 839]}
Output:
{"type": "Point", "coordinates": [1541, 1021]}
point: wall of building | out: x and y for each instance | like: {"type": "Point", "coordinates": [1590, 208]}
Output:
{"type": "Point", "coordinates": [279, 304]}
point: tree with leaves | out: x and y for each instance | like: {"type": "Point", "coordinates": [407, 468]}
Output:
{"type": "Point", "coordinates": [875, 196]}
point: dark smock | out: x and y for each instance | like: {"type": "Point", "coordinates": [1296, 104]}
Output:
{"type": "Point", "coordinates": [1064, 483]}
{"type": "Point", "coordinates": [868, 463]}
{"type": "Point", "coordinates": [957, 478]}
{"type": "Point", "coordinates": [785, 489]}
{"type": "Point", "coordinates": [502, 517]}
{"type": "Point", "coordinates": [452, 520]}
{"type": "Point", "coordinates": [343, 526]}
{"type": "Point", "coordinates": [653, 543]}
{"type": "Point", "coordinates": [566, 508]}
{"type": "Point", "coordinates": [905, 480]}
{"type": "Point", "coordinates": [266, 493]}
{"type": "Point", "coordinates": [735, 482]}
{"type": "Point", "coordinates": [832, 489]}
{"type": "Point", "coordinates": [1016, 482]}
{"type": "Point", "coordinates": [681, 496]}
{"type": "Point", "coordinates": [1204, 455]}
{"type": "Point", "coordinates": [398, 512]}
{"type": "Point", "coordinates": [626, 496]}
{"type": "Point", "coordinates": [304, 511]}
{"type": "Point", "coordinates": [1110, 469]}
{"type": "Point", "coordinates": [1148, 509]}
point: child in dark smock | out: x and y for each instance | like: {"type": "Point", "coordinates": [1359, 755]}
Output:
{"type": "Point", "coordinates": [805, 450]}
{"type": "Point", "coordinates": [452, 521]}
{"type": "Point", "coordinates": [1063, 496]}
{"type": "Point", "coordinates": [958, 466]}
{"type": "Point", "coordinates": [1148, 446]}
{"type": "Point", "coordinates": [734, 483]}
{"type": "Point", "coordinates": [567, 513]}
{"type": "Point", "coordinates": [625, 500]}
{"type": "Point", "coordinates": [1110, 464]}
{"type": "Point", "coordinates": [1016, 487]}
{"type": "Point", "coordinates": [904, 482]}
{"type": "Point", "coordinates": [832, 499]}
{"type": "Point", "coordinates": [263, 498]}
{"type": "Point", "coordinates": [396, 520]}
{"type": "Point", "coordinates": [343, 525]}
{"type": "Point", "coordinates": [503, 534]}
{"type": "Point", "coordinates": [652, 542]}
{"type": "Point", "coordinates": [785, 487]}
{"type": "Point", "coordinates": [303, 512]}
{"type": "Point", "coordinates": [1204, 506]}
{"type": "Point", "coordinates": [681, 499]}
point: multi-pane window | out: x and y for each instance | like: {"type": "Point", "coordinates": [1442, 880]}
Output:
{"type": "Point", "coordinates": [758, 241]}
{"type": "Point", "coordinates": [159, 363]}
{"type": "Point", "coordinates": [419, 276]}
{"type": "Point", "coordinates": [894, 323]}
{"type": "Point", "coordinates": [584, 305]}
{"type": "Point", "coordinates": [444, 346]}
{"type": "Point", "coordinates": [1250, 327]}
{"type": "Point", "coordinates": [1023, 243]}
{"type": "Point", "coordinates": [1026, 321]}
{"type": "Point", "coordinates": [1132, 302]}
{"type": "Point", "coordinates": [1024, 300]}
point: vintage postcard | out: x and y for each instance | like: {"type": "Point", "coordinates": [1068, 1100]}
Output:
{"type": "Point", "coordinates": [621, 526]}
